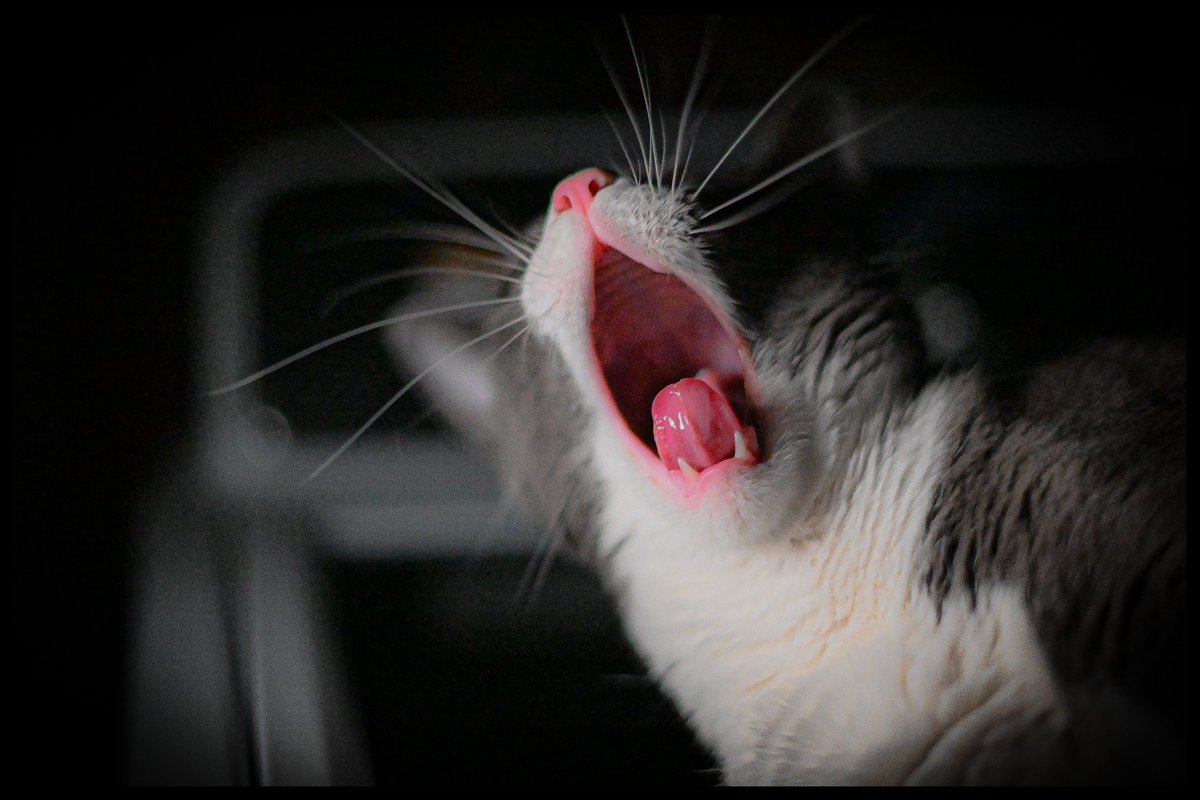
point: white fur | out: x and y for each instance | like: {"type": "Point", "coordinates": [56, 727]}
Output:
{"type": "Point", "coordinates": [811, 654]}
{"type": "Point", "coordinates": [817, 659]}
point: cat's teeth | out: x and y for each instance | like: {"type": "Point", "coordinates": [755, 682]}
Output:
{"type": "Point", "coordinates": [740, 451]}
{"type": "Point", "coordinates": [709, 376]}
{"type": "Point", "coordinates": [687, 469]}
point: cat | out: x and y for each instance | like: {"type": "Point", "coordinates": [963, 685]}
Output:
{"type": "Point", "coordinates": [842, 562]}
{"type": "Point", "coordinates": [854, 572]}
{"type": "Point", "coordinates": [842, 566]}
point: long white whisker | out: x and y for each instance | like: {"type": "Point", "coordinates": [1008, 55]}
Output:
{"type": "Point", "coordinates": [692, 145]}
{"type": "Point", "coordinates": [841, 141]}
{"type": "Point", "coordinates": [629, 161]}
{"type": "Point", "coordinates": [432, 232]}
{"type": "Point", "coordinates": [418, 231]}
{"type": "Point", "coordinates": [523, 251]}
{"type": "Point", "coordinates": [662, 161]}
{"type": "Point", "coordinates": [515, 235]}
{"type": "Point", "coordinates": [833, 42]}
{"type": "Point", "coordinates": [637, 133]}
{"type": "Point", "coordinates": [450, 202]}
{"type": "Point", "coordinates": [403, 391]}
{"type": "Point", "coordinates": [689, 101]}
{"type": "Point", "coordinates": [642, 81]}
{"type": "Point", "coordinates": [701, 116]}
{"type": "Point", "coordinates": [341, 337]}
{"type": "Point", "coordinates": [761, 207]}
{"type": "Point", "coordinates": [687, 161]}
{"type": "Point", "coordinates": [491, 357]}
{"type": "Point", "coordinates": [524, 240]}
{"type": "Point", "coordinates": [507, 342]}
{"type": "Point", "coordinates": [343, 294]}
{"type": "Point", "coordinates": [513, 242]}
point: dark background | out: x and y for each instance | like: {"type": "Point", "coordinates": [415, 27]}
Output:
{"type": "Point", "coordinates": [121, 126]}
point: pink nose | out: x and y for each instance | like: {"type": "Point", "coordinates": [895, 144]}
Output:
{"type": "Point", "coordinates": [578, 190]}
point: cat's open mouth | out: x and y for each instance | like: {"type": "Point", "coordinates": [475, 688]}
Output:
{"type": "Point", "coordinates": [675, 369]}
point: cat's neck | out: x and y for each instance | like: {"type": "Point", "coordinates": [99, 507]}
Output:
{"type": "Point", "coordinates": [762, 643]}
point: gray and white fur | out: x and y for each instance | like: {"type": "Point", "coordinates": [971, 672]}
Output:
{"type": "Point", "coordinates": [930, 578]}
{"type": "Point", "coordinates": [933, 576]}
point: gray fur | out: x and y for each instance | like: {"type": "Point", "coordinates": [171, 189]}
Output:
{"type": "Point", "coordinates": [1071, 484]}
{"type": "Point", "coordinates": [838, 354]}
{"type": "Point", "coordinates": [540, 447]}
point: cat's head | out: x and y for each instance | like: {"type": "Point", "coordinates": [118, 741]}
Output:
{"type": "Point", "coordinates": [679, 360]}
{"type": "Point", "coordinates": [640, 394]}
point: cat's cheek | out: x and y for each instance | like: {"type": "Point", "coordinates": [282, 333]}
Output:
{"type": "Point", "coordinates": [556, 292]}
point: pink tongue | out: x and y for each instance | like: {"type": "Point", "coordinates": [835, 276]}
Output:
{"type": "Point", "coordinates": [694, 422]}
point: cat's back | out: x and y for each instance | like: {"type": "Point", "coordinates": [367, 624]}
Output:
{"type": "Point", "coordinates": [1068, 485]}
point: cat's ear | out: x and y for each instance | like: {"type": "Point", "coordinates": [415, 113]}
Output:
{"type": "Point", "coordinates": [455, 378]}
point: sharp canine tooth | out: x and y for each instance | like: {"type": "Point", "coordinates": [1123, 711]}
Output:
{"type": "Point", "coordinates": [687, 469]}
{"type": "Point", "coordinates": [709, 376]}
{"type": "Point", "coordinates": [740, 451]}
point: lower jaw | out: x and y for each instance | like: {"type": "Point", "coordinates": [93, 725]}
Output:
{"type": "Point", "coordinates": [687, 491]}
{"type": "Point", "coordinates": [692, 489]}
